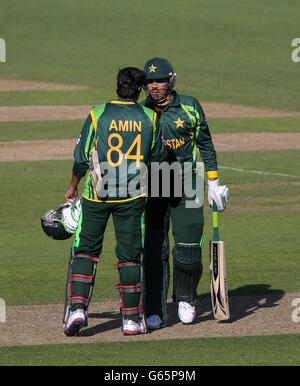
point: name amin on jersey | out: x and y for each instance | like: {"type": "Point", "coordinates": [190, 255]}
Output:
{"type": "Point", "coordinates": [125, 125]}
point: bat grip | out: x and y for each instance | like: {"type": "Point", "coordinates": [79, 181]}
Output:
{"type": "Point", "coordinates": [215, 208]}
{"type": "Point", "coordinates": [216, 236]}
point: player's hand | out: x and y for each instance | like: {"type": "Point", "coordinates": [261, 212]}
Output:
{"type": "Point", "coordinates": [71, 194]}
{"type": "Point", "coordinates": [217, 193]}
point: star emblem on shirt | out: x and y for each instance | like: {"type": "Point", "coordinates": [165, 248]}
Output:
{"type": "Point", "coordinates": [152, 68]}
{"type": "Point", "coordinates": [179, 123]}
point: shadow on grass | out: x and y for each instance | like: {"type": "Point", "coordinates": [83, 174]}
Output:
{"type": "Point", "coordinates": [243, 301]}
{"type": "Point", "coordinates": [113, 323]}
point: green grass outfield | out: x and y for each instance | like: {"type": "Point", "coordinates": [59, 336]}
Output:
{"type": "Point", "coordinates": [233, 51]}
{"type": "Point", "coordinates": [280, 350]}
{"type": "Point", "coordinates": [230, 52]}
{"type": "Point", "coordinates": [30, 130]}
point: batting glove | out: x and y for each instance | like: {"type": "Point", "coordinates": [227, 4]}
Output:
{"type": "Point", "coordinates": [217, 193]}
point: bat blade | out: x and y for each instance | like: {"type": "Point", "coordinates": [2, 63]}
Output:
{"type": "Point", "coordinates": [218, 281]}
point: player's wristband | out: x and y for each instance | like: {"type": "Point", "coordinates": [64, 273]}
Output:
{"type": "Point", "coordinates": [212, 174]}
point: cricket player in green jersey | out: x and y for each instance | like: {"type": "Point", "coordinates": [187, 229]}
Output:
{"type": "Point", "coordinates": [185, 130]}
{"type": "Point", "coordinates": [117, 138]}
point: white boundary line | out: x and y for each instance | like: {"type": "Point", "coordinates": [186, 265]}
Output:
{"type": "Point", "coordinates": [258, 172]}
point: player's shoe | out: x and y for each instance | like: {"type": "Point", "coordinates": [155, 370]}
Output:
{"type": "Point", "coordinates": [154, 322]}
{"type": "Point", "coordinates": [76, 321]}
{"type": "Point", "coordinates": [186, 312]}
{"type": "Point", "coordinates": [130, 327]}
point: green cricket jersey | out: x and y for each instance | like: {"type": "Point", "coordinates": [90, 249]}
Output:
{"type": "Point", "coordinates": [185, 129]}
{"type": "Point", "coordinates": [127, 137]}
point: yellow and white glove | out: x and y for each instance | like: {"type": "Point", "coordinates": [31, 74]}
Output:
{"type": "Point", "coordinates": [217, 193]}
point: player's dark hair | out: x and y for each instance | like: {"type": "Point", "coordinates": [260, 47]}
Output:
{"type": "Point", "coordinates": [129, 80]}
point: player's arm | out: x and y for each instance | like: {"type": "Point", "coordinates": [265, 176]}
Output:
{"type": "Point", "coordinates": [216, 193]}
{"type": "Point", "coordinates": [81, 159]}
{"type": "Point", "coordinates": [204, 143]}
{"type": "Point", "coordinates": [83, 148]}
{"type": "Point", "coordinates": [72, 192]}
{"type": "Point", "coordinates": [158, 150]}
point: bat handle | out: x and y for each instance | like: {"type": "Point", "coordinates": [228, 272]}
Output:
{"type": "Point", "coordinates": [215, 208]}
{"type": "Point", "coordinates": [216, 236]}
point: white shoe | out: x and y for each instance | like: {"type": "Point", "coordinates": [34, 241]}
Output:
{"type": "Point", "coordinates": [76, 321]}
{"type": "Point", "coordinates": [154, 322]}
{"type": "Point", "coordinates": [186, 312]}
{"type": "Point", "coordinates": [130, 327]}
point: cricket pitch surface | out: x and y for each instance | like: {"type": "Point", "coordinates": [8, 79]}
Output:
{"type": "Point", "coordinates": [268, 314]}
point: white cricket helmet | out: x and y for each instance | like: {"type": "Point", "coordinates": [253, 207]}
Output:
{"type": "Point", "coordinates": [62, 222]}
{"type": "Point", "coordinates": [70, 216]}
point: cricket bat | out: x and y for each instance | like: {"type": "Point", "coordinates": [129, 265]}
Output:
{"type": "Point", "coordinates": [218, 279]}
